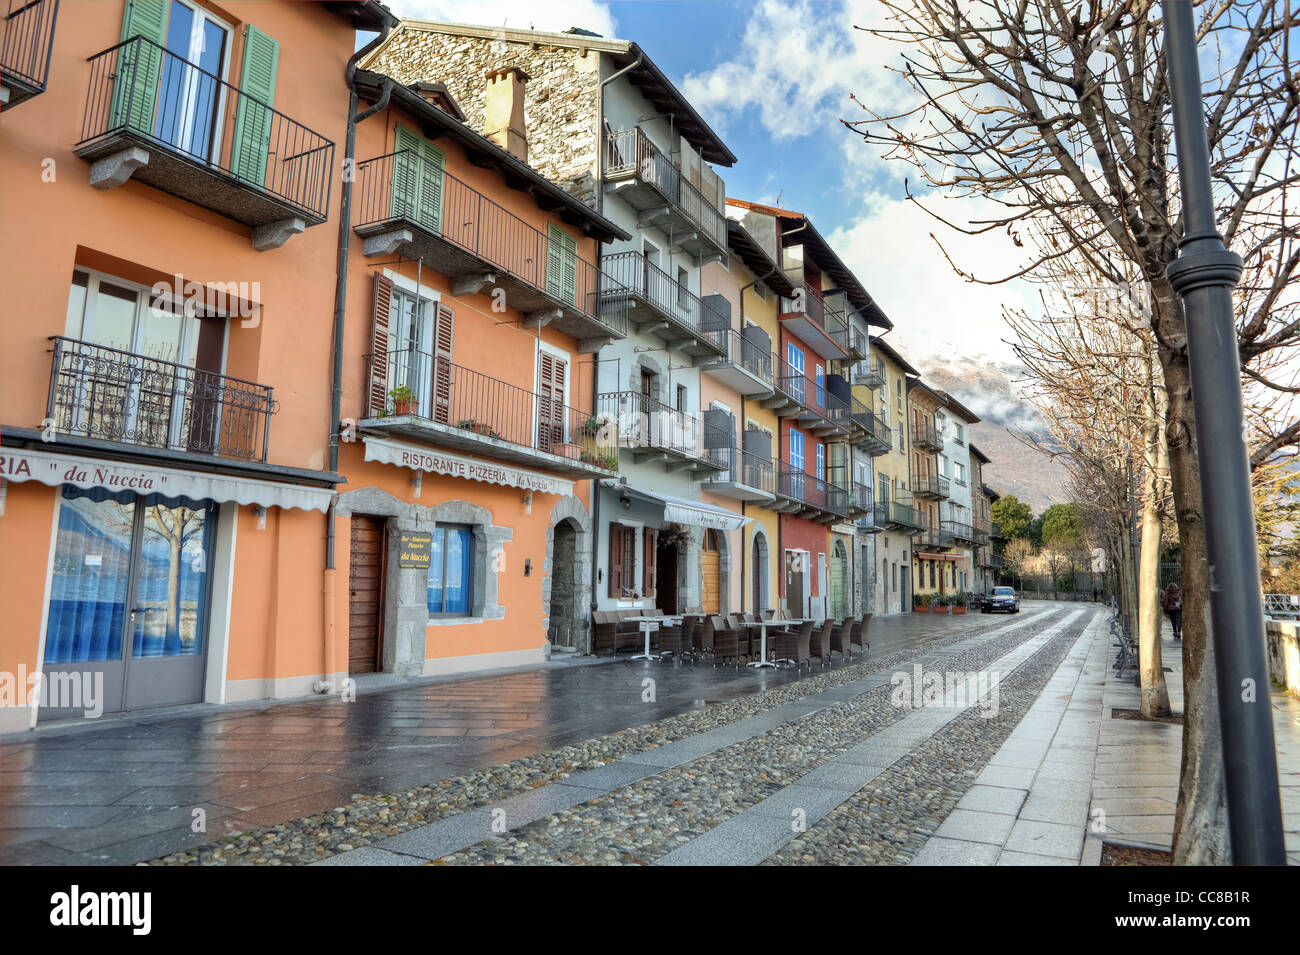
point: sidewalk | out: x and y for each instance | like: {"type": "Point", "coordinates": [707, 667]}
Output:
{"type": "Point", "coordinates": [1071, 777]}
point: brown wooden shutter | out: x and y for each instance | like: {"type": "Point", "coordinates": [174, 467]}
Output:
{"type": "Point", "coordinates": [648, 545]}
{"type": "Point", "coordinates": [616, 560]}
{"type": "Point", "coordinates": [379, 347]}
{"type": "Point", "coordinates": [550, 418]}
{"type": "Point", "coordinates": [444, 327]}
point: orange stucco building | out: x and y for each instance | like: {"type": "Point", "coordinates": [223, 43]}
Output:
{"type": "Point", "coordinates": [183, 517]}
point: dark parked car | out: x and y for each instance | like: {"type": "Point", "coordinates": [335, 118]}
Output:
{"type": "Point", "coordinates": [1001, 598]}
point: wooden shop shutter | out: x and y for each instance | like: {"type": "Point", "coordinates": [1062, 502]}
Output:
{"type": "Point", "coordinates": [616, 574]}
{"type": "Point", "coordinates": [648, 545]}
{"type": "Point", "coordinates": [379, 346]}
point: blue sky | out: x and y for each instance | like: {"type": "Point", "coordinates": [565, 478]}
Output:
{"type": "Point", "coordinates": [773, 78]}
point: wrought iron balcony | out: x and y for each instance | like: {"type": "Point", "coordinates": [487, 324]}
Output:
{"type": "Point", "coordinates": [898, 515]}
{"type": "Point", "coordinates": [822, 328]}
{"type": "Point", "coordinates": [995, 531]}
{"type": "Point", "coordinates": [926, 437]}
{"type": "Point", "coordinates": [462, 234]}
{"type": "Point", "coordinates": [25, 46]}
{"type": "Point", "coordinates": [435, 401]}
{"type": "Point", "coordinates": [872, 434]}
{"type": "Point", "coordinates": [639, 171]}
{"type": "Point", "coordinates": [746, 476]}
{"type": "Point", "coordinates": [930, 487]}
{"type": "Point", "coordinates": [816, 409]}
{"type": "Point", "coordinates": [114, 395]}
{"type": "Point", "coordinates": [858, 343]}
{"type": "Point", "coordinates": [870, 372]}
{"type": "Point", "coordinates": [636, 290]}
{"type": "Point", "coordinates": [162, 120]}
{"type": "Point", "coordinates": [960, 532]}
{"type": "Point", "coordinates": [652, 430]}
{"type": "Point", "coordinates": [861, 500]}
{"type": "Point", "coordinates": [990, 560]}
{"type": "Point", "coordinates": [809, 496]}
{"type": "Point", "coordinates": [745, 367]}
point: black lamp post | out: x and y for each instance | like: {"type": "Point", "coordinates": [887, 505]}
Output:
{"type": "Point", "coordinates": [1204, 275]}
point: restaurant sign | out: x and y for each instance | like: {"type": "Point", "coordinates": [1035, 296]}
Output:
{"type": "Point", "coordinates": [56, 470]}
{"type": "Point", "coordinates": [458, 466]}
{"type": "Point", "coordinates": [414, 549]}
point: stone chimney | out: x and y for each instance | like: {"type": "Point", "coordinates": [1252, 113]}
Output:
{"type": "Point", "coordinates": [503, 118]}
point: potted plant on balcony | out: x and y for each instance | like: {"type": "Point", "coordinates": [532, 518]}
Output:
{"type": "Point", "coordinates": [403, 400]}
{"type": "Point", "coordinates": [920, 603]}
{"type": "Point", "coordinates": [469, 424]}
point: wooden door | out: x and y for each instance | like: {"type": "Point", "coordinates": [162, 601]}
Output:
{"type": "Point", "coordinates": [366, 594]}
{"type": "Point", "coordinates": [552, 372]}
{"type": "Point", "coordinates": [710, 567]}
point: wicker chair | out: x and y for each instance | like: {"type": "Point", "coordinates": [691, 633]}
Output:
{"type": "Point", "coordinates": [605, 623]}
{"type": "Point", "coordinates": [679, 641]}
{"type": "Point", "coordinates": [702, 633]}
{"type": "Point", "coordinates": [859, 637]}
{"type": "Point", "coordinates": [726, 640]}
{"type": "Point", "coordinates": [842, 636]}
{"type": "Point", "coordinates": [793, 645]}
{"type": "Point", "coordinates": [820, 646]}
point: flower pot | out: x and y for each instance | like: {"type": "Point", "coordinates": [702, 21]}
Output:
{"type": "Point", "coordinates": [938, 609]}
{"type": "Point", "coordinates": [920, 608]}
{"type": "Point", "coordinates": [403, 406]}
{"type": "Point", "coordinates": [958, 610]}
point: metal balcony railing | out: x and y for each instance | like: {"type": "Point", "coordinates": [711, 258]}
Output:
{"type": "Point", "coordinates": [632, 272]}
{"type": "Point", "coordinates": [759, 363]}
{"type": "Point", "coordinates": [861, 498]}
{"type": "Point", "coordinates": [25, 46]}
{"type": "Point", "coordinates": [396, 188]}
{"type": "Point", "coordinates": [114, 395]}
{"type": "Point", "coordinates": [930, 485]}
{"type": "Point", "coordinates": [630, 152]}
{"type": "Point", "coordinates": [995, 531]}
{"type": "Point", "coordinates": [992, 561]}
{"type": "Point", "coordinates": [899, 513]}
{"type": "Point", "coordinates": [139, 88]}
{"type": "Point", "coordinates": [871, 423]}
{"type": "Point", "coordinates": [742, 467]}
{"type": "Point", "coordinates": [811, 395]}
{"type": "Point", "coordinates": [808, 301]}
{"type": "Point", "coordinates": [869, 372]}
{"type": "Point", "coordinates": [960, 531]}
{"type": "Point", "coordinates": [926, 437]}
{"type": "Point", "coordinates": [645, 422]}
{"type": "Point", "coordinates": [411, 383]}
{"type": "Point", "coordinates": [811, 490]}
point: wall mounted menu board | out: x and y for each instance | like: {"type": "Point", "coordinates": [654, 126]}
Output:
{"type": "Point", "coordinates": [414, 549]}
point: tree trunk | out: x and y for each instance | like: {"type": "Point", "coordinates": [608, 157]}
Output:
{"type": "Point", "coordinates": [1200, 823]}
{"type": "Point", "coordinates": [1155, 695]}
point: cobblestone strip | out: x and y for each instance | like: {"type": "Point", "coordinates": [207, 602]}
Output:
{"type": "Point", "coordinates": [890, 819]}
{"type": "Point", "coordinates": [370, 819]}
{"type": "Point", "coordinates": [649, 817]}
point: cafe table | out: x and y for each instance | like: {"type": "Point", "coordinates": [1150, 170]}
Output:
{"type": "Point", "coordinates": [763, 625]}
{"type": "Point", "coordinates": [648, 626]}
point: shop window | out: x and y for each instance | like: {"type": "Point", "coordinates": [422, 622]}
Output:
{"type": "Point", "coordinates": [450, 572]}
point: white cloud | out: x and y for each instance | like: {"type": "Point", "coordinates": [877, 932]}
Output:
{"type": "Point", "coordinates": [553, 15]}
{"type": "Point", "coordinates": [936, 313]}
{"type": "Point", "coordinates": [796, 65]}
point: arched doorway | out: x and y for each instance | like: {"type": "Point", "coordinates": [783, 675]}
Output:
{"type": "Point", "coordinates": [564, 556]}
{"type": "Point", "coordinates": [839, 574]}
{"type": "Point", "coordinates": [758, 571]}
{"type": "Point", "coordinates": [711, 574]}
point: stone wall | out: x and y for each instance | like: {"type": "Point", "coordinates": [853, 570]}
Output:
{"type": "Point", "coordinates": [1284, 655]}
{"type": "Point", "coordinates": [561, 100]}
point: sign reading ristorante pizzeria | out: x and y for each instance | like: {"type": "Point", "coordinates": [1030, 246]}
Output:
{"type": "Point", "coordinates": [470, 469]}
{"type": "Point", "coordinates": [414, 549]}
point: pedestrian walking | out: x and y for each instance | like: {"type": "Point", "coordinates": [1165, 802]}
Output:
{"type": "Point", "coordinates": [1172, 604]}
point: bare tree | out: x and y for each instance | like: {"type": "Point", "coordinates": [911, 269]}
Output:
{"type": "Point", "coordinates": [1058, 113]}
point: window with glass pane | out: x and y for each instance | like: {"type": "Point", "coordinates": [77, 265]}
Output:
{"type": "Point", "coordinates": [449, 571]}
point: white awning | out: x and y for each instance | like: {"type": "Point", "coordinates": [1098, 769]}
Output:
{"type": "Point", "coordinates": [460, 466]}
{"type": "Point", "coordinates": [89, 473]}
{"type": "Point", "coordinates": [679, 510]}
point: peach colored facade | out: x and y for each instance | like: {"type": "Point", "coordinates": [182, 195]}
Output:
{"type": "Point", "coordinates": [165, 509]}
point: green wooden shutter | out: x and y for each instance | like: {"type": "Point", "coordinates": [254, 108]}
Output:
{"type": "Point", "coordinates": [417, 179]}
{"type": "Point", "coordinates": [561, 265]}
{"type": "Point", "coordinates": [251, 143]}
{"type": "Point", "coordinates": [135, 89]}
